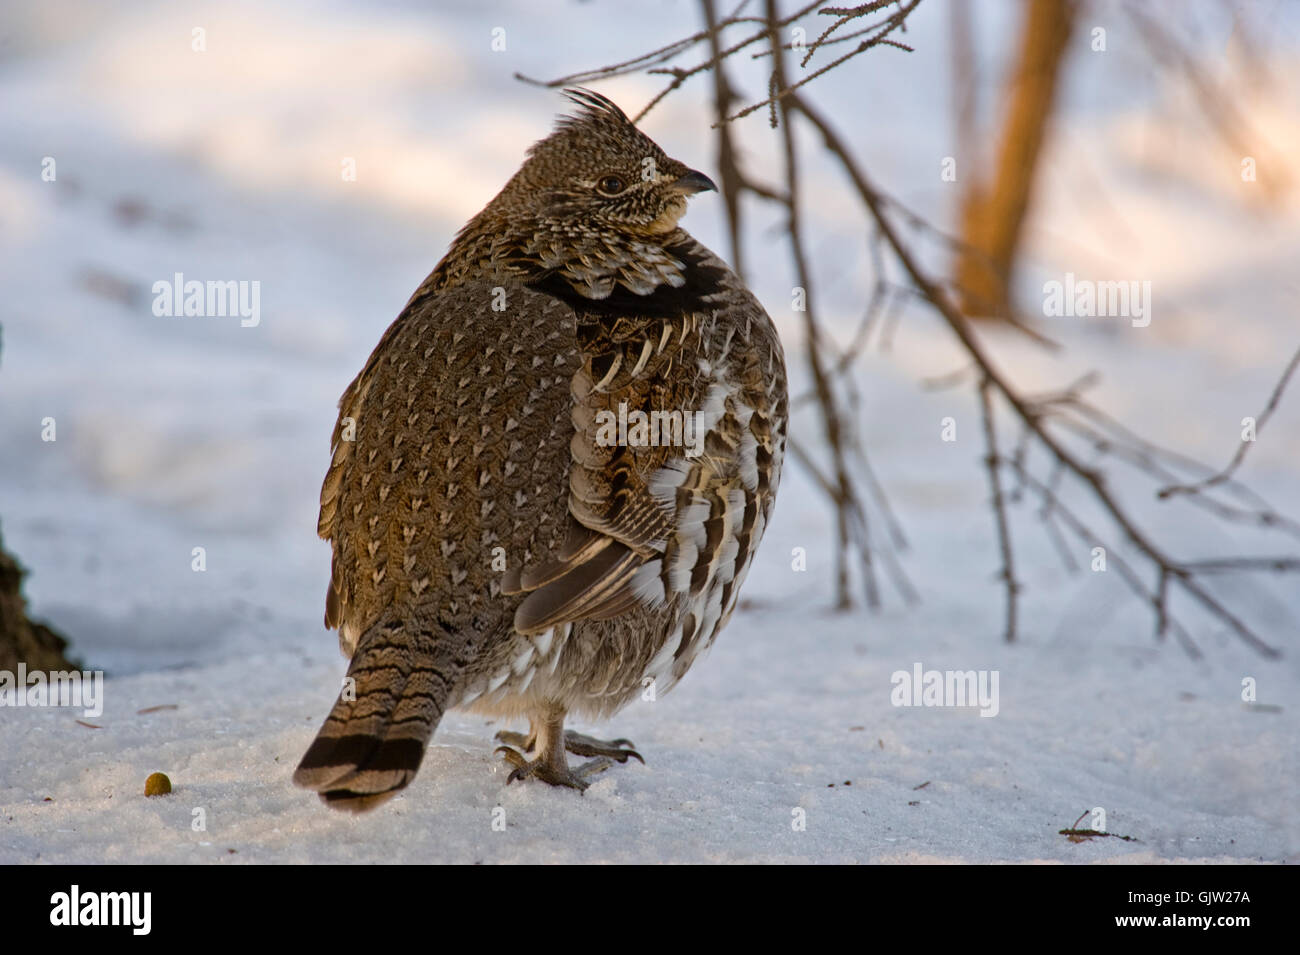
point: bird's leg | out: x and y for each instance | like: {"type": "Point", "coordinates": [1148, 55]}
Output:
{"type": "Point", "coordinates": [550, 765]}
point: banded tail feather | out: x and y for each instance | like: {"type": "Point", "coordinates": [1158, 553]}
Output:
{"type": "Point", "coordinates": [371, 746]}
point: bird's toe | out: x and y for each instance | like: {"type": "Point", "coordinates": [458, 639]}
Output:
{"type": "Point", "coordinates": [618, 749]}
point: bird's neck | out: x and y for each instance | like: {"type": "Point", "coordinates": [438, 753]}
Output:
{"type": "Point", "coordinates": [594, 264]}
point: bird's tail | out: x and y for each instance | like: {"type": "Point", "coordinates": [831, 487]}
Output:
{"type": "Point", "coordinates": [371, 744]}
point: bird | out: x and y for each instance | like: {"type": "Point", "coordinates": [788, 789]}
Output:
{"type": "Point", "coordinates": [549, 480]}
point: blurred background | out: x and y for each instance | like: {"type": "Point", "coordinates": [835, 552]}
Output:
{"type": "Point", "coordinates": [141, 140]}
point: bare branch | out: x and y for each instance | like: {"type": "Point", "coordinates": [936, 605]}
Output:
{"type": "Point", "coordinates": [1227, 473]}
{"type": "Point", "coordinates": [960, 326]}
{"type": "Point", "coordinates": [1008, 572]}
{"type": "Point", "coordinates": [782, 89]}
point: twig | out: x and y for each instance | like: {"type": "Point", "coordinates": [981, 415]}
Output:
{"type": "Point", "coordinates": [782, 89]}
{"type": "Point", "coordinates": [1007, 574]}
{"type": "Point", "coordinates": [732, 181]}
{"type": "Point", "coordinates": [821, 383]}
{"type": "Point", "coordinates": [1157, 600]}
{"type": "Point", "coordinates": [1226, 474]}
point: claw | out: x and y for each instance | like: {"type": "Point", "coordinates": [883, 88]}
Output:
{"type": "Point", "coordinates": [511, 756]}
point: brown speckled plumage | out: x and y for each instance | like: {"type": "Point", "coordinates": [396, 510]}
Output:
{"type": "Point", "coordinates": [493, 549]}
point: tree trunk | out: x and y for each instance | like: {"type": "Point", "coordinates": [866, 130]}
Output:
{"type": "Point", "coordinates": [993, 213]}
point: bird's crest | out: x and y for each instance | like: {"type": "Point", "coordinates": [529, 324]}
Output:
{"type": "Point", "coordinates": [594, 105]}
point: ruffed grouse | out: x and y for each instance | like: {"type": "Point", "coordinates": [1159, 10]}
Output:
{"type": "Point", "coordinates": [550, 478]}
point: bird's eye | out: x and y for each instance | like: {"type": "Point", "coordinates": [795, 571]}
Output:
{"type": "Point", "coordinates": [611, 185]}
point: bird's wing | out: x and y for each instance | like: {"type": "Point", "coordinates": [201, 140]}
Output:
{"type": "Point", "coordinates": [616, 525]}
{"type": "Point", "coordinates": [656, 512]}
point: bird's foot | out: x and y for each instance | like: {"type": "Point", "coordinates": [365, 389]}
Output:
{"type": "Point", "coordinates": [548, 771]}
{"type": "Point", "coordinates": [575, 743]}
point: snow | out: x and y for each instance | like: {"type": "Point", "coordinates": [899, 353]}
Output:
{"type": "Point", "coordinates": [174, 434]}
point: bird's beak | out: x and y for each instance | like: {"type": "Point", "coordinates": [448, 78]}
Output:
{"type": "Point", "coordinates": [693, 182]}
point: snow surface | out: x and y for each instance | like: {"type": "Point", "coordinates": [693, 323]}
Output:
{"type": "Point", "coordinates": [183, 433]}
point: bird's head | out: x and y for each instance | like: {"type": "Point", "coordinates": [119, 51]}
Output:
{"type": "Point", "coordinates": [594, 208]}
{"type": "Point", "coordinates": [598, 173]}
